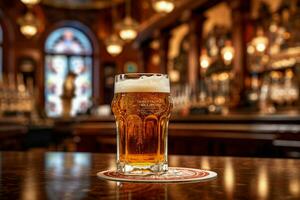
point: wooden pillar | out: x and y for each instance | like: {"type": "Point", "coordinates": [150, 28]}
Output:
{"type": "Point", "coordinates": [240, 10]}
{"type": "Point", "coordinates": [164, 39]}
{"type": "Point", "coordinates": [145, 56]}
{"type": "Point", "coordinates": [195, 42]}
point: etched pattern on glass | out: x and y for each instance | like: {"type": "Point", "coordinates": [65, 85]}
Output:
{"type": "Point", "coordinates": [142, 120]}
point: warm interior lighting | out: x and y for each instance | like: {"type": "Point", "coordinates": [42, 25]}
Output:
{"type": "Point", "coordinates": [220, 100]}
{"type": "Point", "coordinates": [28, 30]}
{"type": "Point", "coordinates": [289, 74]}
{"type": "Point", "coordinates": [204, 60]}
{"type": "Point", "coordinates": [260, 47]}
{"type": "Point", "coordinates": [28, 25]}
{"type": "Point", "coordinates": [223, 76]}
{"type": "Point", "coordinates": [30, 2]}
{"type": "Point", "coordinates": [114, 45]}
{"type": "Point", "coordinates": [128, 29]}
{"type": "Point", "coordinates": [263, 182]}
{"type": "Point", "coordinates": [163, 6]}
{"type": "Point", "coordinates": [229, 177]}
{"type": "Point", "coordinates": [174, 75]}
{"type": "Point", "coordinates": [250, 49]}
{"type": "Point", "coordinates": [260, 42]}
{"type": "Point", "coordinates": [273, 27]}
{"type": "Point", "coordinates": [204, 63]}
{"type": "Point", "coordinates": [227, 53]}
{"type": "Point", "coordinates": [114, 49]}
{"type": "Point", "coordinates": [128, 34]}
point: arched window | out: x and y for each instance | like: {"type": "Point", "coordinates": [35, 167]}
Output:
{"type": "Point", "coordinates": [1, 52]}
{"type": "Point", "coordinates": [67, 50]}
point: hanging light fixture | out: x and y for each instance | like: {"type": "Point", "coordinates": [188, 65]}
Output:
{"type": "Point", "coordinates": [29, 25]}
{"type": "Point", "coordinates": [163, 6]}
{"type": "Point", "coordinates": [114, 45]}
{"type": "Point", "coordinates": [204, 60]}
{"type": "Point", "coordinates": [260, 42]}
{"type": "Point", "coordinates": [128, 27]}
{"type": "Point", "coordinates": [227, 52]}
{"type": "Point", "coordinates": [30, 2]}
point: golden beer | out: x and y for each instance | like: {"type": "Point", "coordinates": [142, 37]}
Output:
{"type": "Point", "coordinates": [142, 110]}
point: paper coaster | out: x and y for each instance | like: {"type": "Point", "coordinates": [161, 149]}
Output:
{"type": "Point", "coordinates": [174, 175]}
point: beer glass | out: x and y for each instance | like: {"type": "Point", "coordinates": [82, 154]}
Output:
{"type": "Point", "coordinates": [141, 107]}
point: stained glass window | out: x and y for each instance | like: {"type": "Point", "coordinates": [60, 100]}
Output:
{"type": "Point", "coordinates": [68, 50]}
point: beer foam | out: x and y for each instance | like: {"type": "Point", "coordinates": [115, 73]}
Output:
{"type": "Point", "coordinates": [144, 84]}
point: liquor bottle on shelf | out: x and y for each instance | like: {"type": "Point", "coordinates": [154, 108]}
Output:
{"type": "Point", "coordinates": [15, 99]}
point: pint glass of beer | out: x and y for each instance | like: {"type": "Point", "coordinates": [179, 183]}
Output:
{"type": "Point", "coordinates": [141, 107]}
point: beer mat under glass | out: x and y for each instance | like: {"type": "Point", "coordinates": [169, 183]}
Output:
{"type": "Point", "coordinates": [173, 175]}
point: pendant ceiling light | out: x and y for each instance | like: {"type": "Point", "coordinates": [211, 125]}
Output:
{"type": "Point", "coordinates": [29, 25]}
{"type": "Point", "coordinates": [227, 52]}
{"type": "Point", "coordinates": [30, 2]}
{"type": "Point", "coordinates": [260, 42]}
{"type": "Point", "coordinates": [163, 6]}
{"type": "Point", "coordinates": [128, 27]}
{"type": "Point", "coordinates": [204, 59]}
{"type": "Point", "coordinates": [114, 45]}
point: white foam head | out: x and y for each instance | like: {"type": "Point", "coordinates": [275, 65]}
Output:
{"type": "Point", "coordinates": [154, 83]}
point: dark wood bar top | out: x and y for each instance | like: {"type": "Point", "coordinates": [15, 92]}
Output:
{"type": "Point", "coordinates": [262, 123]}
{"type": "Point", "coordinates": [276, 135]}
{"type": "Point", "coordinates": [290, 117]}
{"type": "Point", "coordinates": [36, 175]}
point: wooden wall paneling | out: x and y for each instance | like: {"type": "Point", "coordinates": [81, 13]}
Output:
{"type": "Point", "coordinates": [8, 54]}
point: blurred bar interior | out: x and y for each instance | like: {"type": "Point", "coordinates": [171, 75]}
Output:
{"type": "Point", "coordinates": [234, 68]}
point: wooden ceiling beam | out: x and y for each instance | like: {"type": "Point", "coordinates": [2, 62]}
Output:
{"type": "Point", "coordinates": [159, 21]}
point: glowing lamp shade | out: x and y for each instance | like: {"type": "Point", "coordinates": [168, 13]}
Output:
{"type": "Point", "coordinates": [28, 30]}
{"type": "Point", "coordinates": [114, 49]}
{"type": "Point", "coordinates": [114, 45]}
{"type": "Point", "coordinates": [260, 42]}
{"type": "Point", "coordinates": [128, 34]}
{"type": "Point", "coordinates": [227, 54]}
{"type": "Point", "coordinates": [128, 29]}
{"type": "Point", "coordinates": [163, 6]}
{"type": "Point", "coordinates": [261, 46]}
{"type": "Point", "coordinates": [29, 25]}
{"type": "Point", "coordinates": [204, 61]}
{"type": "Point", "coordinates": [30, 2]}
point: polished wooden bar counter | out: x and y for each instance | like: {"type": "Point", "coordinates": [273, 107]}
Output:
{"type": "Point", "coordinates": [276, 135]}
{"type": "Point", "coordinates": [35, 175]}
